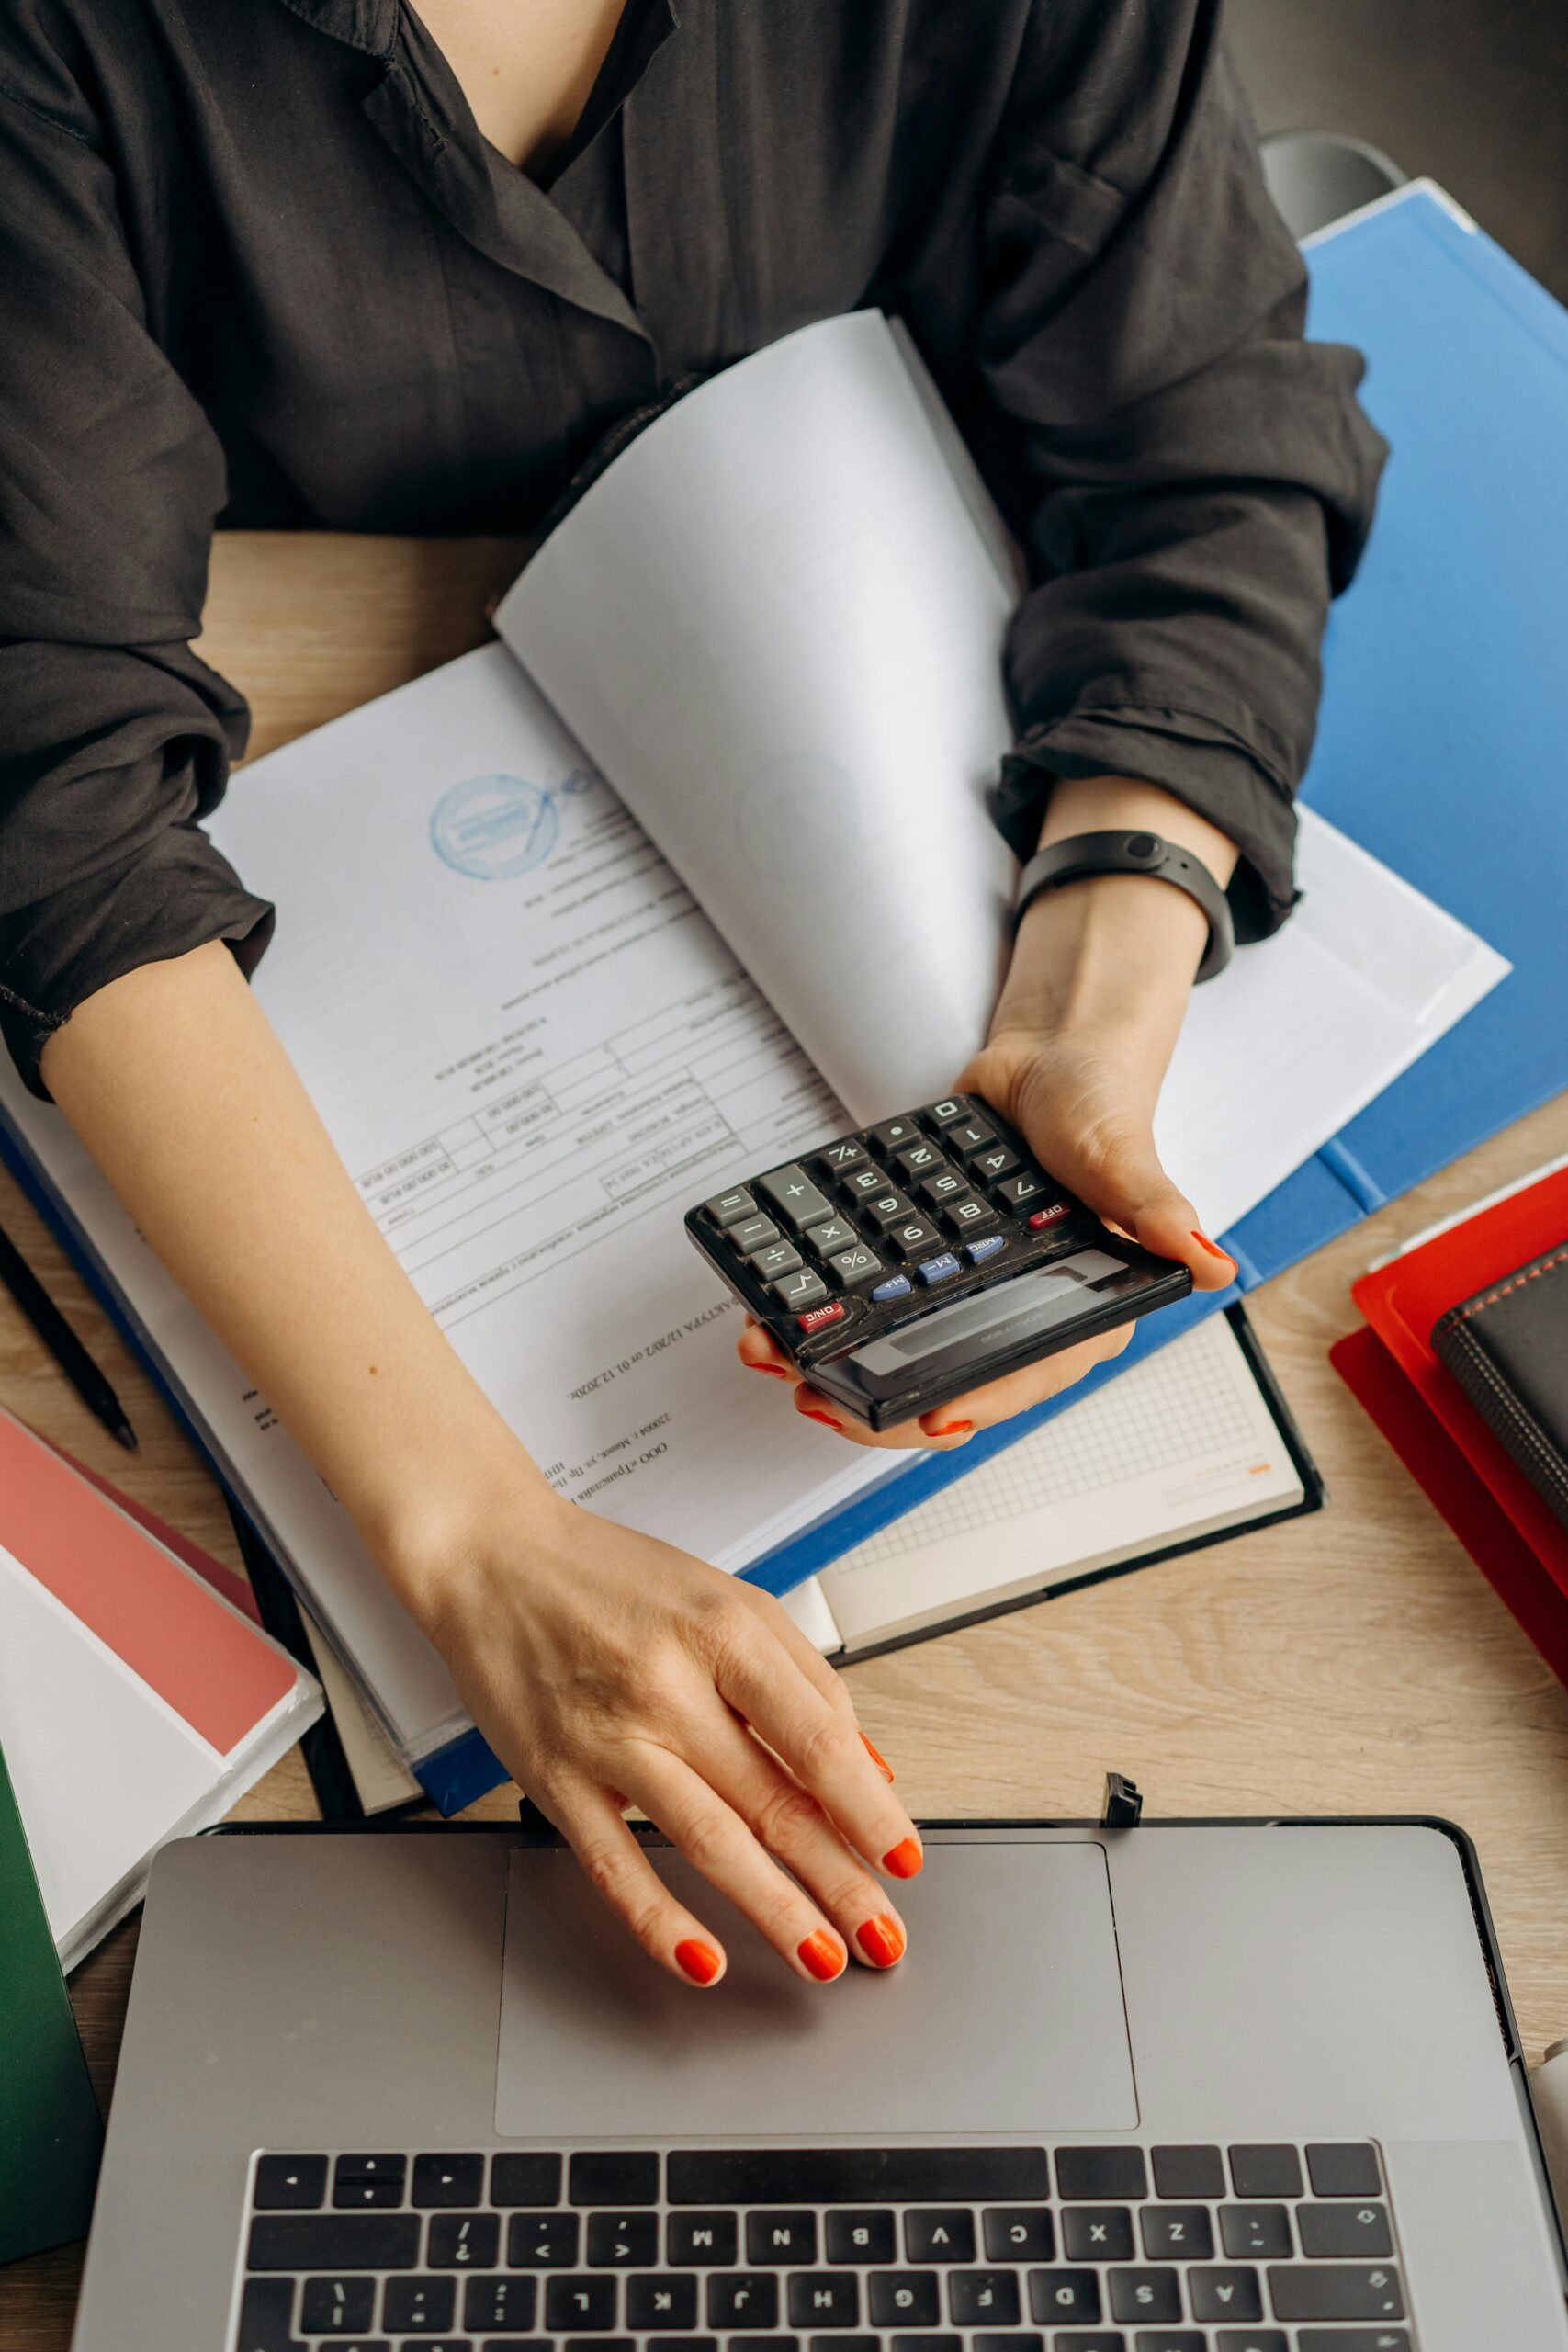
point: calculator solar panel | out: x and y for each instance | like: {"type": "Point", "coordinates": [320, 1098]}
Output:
{"type": "Point", "coordinates": [915, 1260]}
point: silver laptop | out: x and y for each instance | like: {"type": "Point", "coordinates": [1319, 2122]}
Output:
{"type": "Point", "coordinates": [1202, 2087]}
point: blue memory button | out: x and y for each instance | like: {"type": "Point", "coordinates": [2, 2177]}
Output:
{"type": "Point", "coordinates": [977, 1250]}
{"type": "Point", "coordinates": [896, 1286]}
{"type": "Point", "coordinates": [937, 1269]}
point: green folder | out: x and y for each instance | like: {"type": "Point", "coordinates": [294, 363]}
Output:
{"type": "Point", "coordinates": [50, 2134]}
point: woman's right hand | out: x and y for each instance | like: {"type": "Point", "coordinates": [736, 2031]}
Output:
{"type": "Point", "coordinates": [605, 1668]}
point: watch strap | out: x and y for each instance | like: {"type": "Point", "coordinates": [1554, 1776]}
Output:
{"type": "Point", "coordinates": [1133, 852]}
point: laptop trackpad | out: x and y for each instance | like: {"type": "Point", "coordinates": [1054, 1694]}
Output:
{"type": "Point", "coordinates": [1005, 2016]}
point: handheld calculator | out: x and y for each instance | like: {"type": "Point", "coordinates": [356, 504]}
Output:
{"type": "Point", "coordinates": [916, 1260]}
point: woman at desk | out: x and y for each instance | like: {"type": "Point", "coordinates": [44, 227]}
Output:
{"type": "Point", "coordinates": [333, 262]}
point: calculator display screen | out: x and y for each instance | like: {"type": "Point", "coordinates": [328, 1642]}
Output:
{"type": "Point", "coordinates": [996, 1319]}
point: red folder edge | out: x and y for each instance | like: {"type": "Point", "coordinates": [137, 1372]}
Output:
{"type": "Point", "coordinates": [1456, 1490]}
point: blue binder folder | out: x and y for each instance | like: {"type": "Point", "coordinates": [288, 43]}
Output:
{"type": "Point", "coordinates": [1442, 747]}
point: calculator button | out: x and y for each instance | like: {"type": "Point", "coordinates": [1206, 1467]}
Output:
{"type": "Point", "coordinates": [862, 1180]}
{"type": "Point", "coordinates": [948, 1113]}
{"type": "Point", "coordinates": [969, 1215]}
{"type": "Point", "coordinates": [834, 1234]}
{"type": "Point", "coordinates": [857, 1265]}
{"type": "Point", "coordinates": [977, 1251]}
{"type": "Point", "coordinates": [842, 1157]}
{"type": "Point", "coordinates": [947, 1185]}
{"type": "Point", "coordinates": [969, 1135]}
{"type": "Point", "coordinates": [820, 1315]}
{"type": "Point", "coordinates": [912, 1235]}
{"type": "Point", "coordinates": [797, 1199]}
{"type": "Point", "coordinates": [920, 1159]}
{"type": "Point", "coordinates": [779, 1258]}
{"type": "Point", "coordinates": [752, 1233]}
{"type": "Point", "coordinates": [894, 1133]}
{"type": "Point", "coordinates": [1017, 1192]}
{"type": "Point", "coordinates": [998, 1160]}
{"type": "Point", "coordinates": [727, 1208]}
{"type": "Point", "coordinates": [939, 1270]}
{"type": "Point", "coordinates": [887, 1209]}
{"type": "Point", "coordinates": [1040, 1218]}
{"type": "Point", "coordinates": [803, 1289]}
{"type": "Point", "coordinates": [896, 1286]}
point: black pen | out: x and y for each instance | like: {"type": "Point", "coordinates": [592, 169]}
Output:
{"type": "Point", "coordinates": [63, 1343]}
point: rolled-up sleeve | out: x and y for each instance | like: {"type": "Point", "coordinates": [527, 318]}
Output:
{"type": "Point", "coordinates": [115, 737]}
{"type": "Point", "coordinates": [1199, 479]}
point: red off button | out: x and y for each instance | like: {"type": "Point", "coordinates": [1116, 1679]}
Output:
{"type": "Point", "coordinates": [820, 1316]}
{"type": "Point", "coordinates": [1052, 1215]}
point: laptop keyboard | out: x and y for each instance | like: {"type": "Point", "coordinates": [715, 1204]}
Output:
{"type": "Point", "coordinates": [1112, 2248]}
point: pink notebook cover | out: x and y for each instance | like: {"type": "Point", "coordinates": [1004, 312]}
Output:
{"type": "Point", "coordinates": [200, 1658]}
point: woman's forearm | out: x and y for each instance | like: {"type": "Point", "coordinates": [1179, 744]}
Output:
{"type": "Point", "coordinates": [176, 1083]}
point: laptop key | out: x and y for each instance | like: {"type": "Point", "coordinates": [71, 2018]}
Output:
{"type": "Point", "coordinates": [542, 2241]}
{"type": "Point", "coordinates": [500, 2302]}
{"type": "Point", "coordinates": [1087, 2174]}
{"type": "Point", "coordinates": [905, 2299]}
{"type": "Point", "coordinates": [580, 2302]}
{"type": "Point", "coordinates": [1074, 2339]}
{"type": "Point", "coordinates": [1097, 2234]}
{"type": "Point", "coordinates": [661, 2298]}
{"type": "Point", "coordinates": [448, 2180]}
{"type": "Point", "coordinates": [1056, 2295]}
{"type": "Point", "coordinates": [1344, 2168]}
{"type": "Point", "coordinates": [368, 2180]}
{"type": "Point", "coordinates": [1145, 2294]}
{"type": "Point", "coordinates": [683, 2344]}
{"type": "Point", "coordinates": [285, 2183]}
{"type": "Point", "coordinates": [623, 2241]}
{"type": "Point", "coordinates": [1177, 2232]}
{"type": "Point", "coordinates": [781, 2237]}
{"type": "Point", "coordinates": [1349, 2339]}
{"type": "Point", "coordinates": [464, 2241]}
{"type": "Point", "coordinates": [334, 2241]}
{"type": "Point", "coordinates": [844, 2343]}
{"type": "Point", "coordinates": [606, 2177]}
{"type": "Point", "coordinates": [1188, 2172]}
{"type": "Point", "coordinates": [1256, 2229]}
{"type": "Point", "coordinates": [1266, 2172]}
{"type": "Point", "coordinates": [1020, 2233]}
{"type": "Point", "coordinates": [266, 2310]}
{"type": "Point", "coordinates": [939, 2233]}
{"type": "Point", "coordinates": [1231, 2293]}
{"type": "Point", "coordinates": [708, 2240]}
{"type": "Point", "coordinates": [1338, 2290]}
{"type": "Point", "coordinates": [1171, 2339]}
{"type": "Point", "coordinates": [1019, 2341]}
{"type": "Point", "coordinates": [744, 2298]}
{"type": "Point", "coordinates": [854, 2176]}
{"type": "Point", "coordinates": [520, 2179]}
{"type": "Point", "coordinates": [337, 2306]}
{"type": "Point", "coordinates": [865, 2237]}
{"type": "Point", "coordinates": [764, 2344]}
{"type": "Point", "coordinates": [1272, 2339]}
{"type": "Point", "coordinates": [1354, 2230]}
{"type": "Point", "coordinates": [824, 2299]}
{"type": "Point", "coordinates": [426, 2306]}
{"type": "Point", "coordinates": [983, 2298]}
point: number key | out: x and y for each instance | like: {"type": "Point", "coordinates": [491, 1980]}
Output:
{"type": "Point", "coordinates": [887, 1209]}
{"type": "Point", "coordinates": [949, 1112]}
{"type": "Point", "coordinates": [947, 1185]}
{"type": "Point", "coordinates": [920, 1159]}
{"type": "Point", "coordinates": [971, 1215]}
{"type": "Point", "coordinates": [1017, 1192]}
{"type": "Point", "coordinates": [913, 1235]}
{"type": "Point", "coordinates": [998, 1160]}
{"type": "Point", "coordinates": [862, 1182]}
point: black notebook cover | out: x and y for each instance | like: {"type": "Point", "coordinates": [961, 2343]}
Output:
{"type": "Point", "coordinates": [1507, 1348]}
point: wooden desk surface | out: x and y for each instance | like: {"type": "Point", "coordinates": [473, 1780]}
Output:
{"type": "Point", "coordinates": [1352, 1662]}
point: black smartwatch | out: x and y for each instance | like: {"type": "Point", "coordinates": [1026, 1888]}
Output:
{"type": "Point", "coordinates": [1086, 853]}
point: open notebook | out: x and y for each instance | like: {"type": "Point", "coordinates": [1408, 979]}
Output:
{"type": "Point", "coordinates": [691, 870]}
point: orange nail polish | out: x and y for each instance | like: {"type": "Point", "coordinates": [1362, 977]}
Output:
{"type": "Point", "coordinates": [881, 1762]}
{"type": "Point", "coordinates": [774, 1371]}
{"type": "Point", "coordinates": [826, 1419]}
{"type": "Point", "coordinates": [699, 1960]}
{"type": "Point", "coordinates": [881, 1940]}
{"type": "Point", "coordinates": [904, 1860]}
{"type": "Point", "coordinates": [823, 1956]}
{"type": "Point", "coordinates": [951, 1429]}
{"type": "Point", "coordinates": [1214, 1249]}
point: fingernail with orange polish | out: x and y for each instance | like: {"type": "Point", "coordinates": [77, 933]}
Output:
{"type": "Point", "coordinates": [951, 1429]}
{"type": "Point", "coordinates": [881, 1762]}
{"type": "Point", "coordinates": [774, 1371]}
{"type": "Point", "coordinates": [1214, 1249]}
{"type": "Point", "coordinates": [823, 1956]}
{"type": "Point", "coordinates": [881, 1940]}
{"type": "Point", "coordinates": [826, 1419]}
{"type": "Point", "coordinates": [904, 1860]}
{"type": "Point", "coordinates": [700, 1962]}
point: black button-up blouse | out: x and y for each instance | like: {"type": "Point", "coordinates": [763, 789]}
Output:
{"type": "Point", "coordinates": [258, 266]}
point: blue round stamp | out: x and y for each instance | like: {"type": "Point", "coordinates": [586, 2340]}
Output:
{"type": "Point", "coordinates": [494, 827]}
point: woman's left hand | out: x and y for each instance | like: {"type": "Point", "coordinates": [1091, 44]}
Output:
{"type": "Point", "coordinates": [1081, 1038]}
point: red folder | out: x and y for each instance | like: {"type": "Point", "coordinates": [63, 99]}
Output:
{"type": "Point", "coordinates": [1505, 1525]}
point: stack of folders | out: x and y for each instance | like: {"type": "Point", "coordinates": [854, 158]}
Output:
{"type": "Point", "coordinates": [572, 926]}
{"type": "Point", "coordinates": [1462, 1363]}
